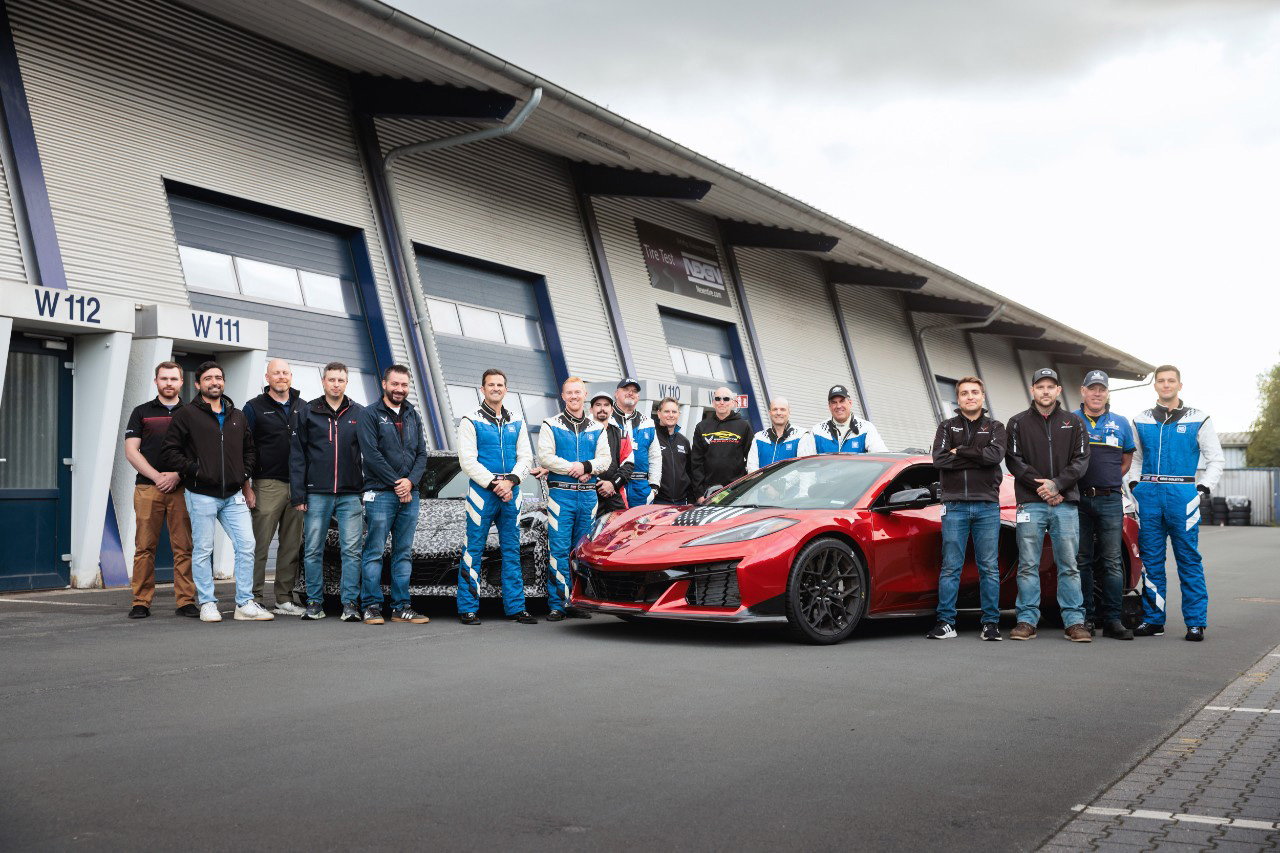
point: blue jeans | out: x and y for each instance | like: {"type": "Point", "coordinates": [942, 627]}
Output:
{"type": "Point", "coordinates": [959, 520]}
{"type": "Point", "coordinates": [1063, 525]}
{"type": "Point", "coordinates": [320, 508]}
{"type": "Point", "coordinates": [234, 516]}
{"type": "Point", "coordinates": [1101, 519]}
{"type": "Point", "coordinates": [385, 514]}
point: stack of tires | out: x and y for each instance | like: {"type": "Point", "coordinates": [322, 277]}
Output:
{"type": "Point", "coordinates": [1216, 511]}
{"type": "Point", "coordinates": [1239, 511]}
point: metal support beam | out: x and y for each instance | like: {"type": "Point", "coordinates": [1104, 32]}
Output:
{"type": "Point", "coordinates": [595, 243]}
{"type": "Point", "coordinates": [391, 97]}
{"type": "Point", "coordinates": [748, 235]}
{"type": "Point", "coordinates": [923, 304]}
{"type": "Point", "coordinates": [735, 277]}
{"type": "Point", "coordinates": [865, 276]}
{"type": "Point", "coordinates": [1046, 345]}
{"type": "Point", "coordinates": [593, 180]}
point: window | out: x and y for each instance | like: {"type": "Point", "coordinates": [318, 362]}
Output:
{"type": "Point", "coordinates": [214, 272]}
{"type": "Point", "coordinates": [268, 281]}
{"type": "Point", "coordinates": [444, 317]}
{"type": "Point", "coordinates": [947, 394]}
{"type": "Point", "coordinates": [521, 331]}
{"type": "Point", "coordinates": [709, 365]}
{"type": "Point", "coordinates": [324, 291]}
{"type": "Point", "coordinates": [538, 408]}
{"type": "Point", "coordinates": [463, 400]}
{"type": "Point", "coordinates": [483, 324]}
{"type": "Point", "coordinates": [308, 379]}
{"type": "Point", "coordinates": [208, 270]}
{"type": "Point", "coordinates": [677, 359]}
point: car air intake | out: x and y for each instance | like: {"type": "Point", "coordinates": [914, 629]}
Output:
{"type": "Point", "coordinates": [713, 585]}
{"type": "Point", "coordinates": [628, 587]}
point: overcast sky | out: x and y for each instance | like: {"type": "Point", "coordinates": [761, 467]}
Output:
{"type": "Point", "coordinates": [1115, 165]}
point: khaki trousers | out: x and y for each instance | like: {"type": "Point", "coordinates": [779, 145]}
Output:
{"type": "Point", "coordinates": [153, 508]}
{"type": "Point", "coordinates": [272, 513]}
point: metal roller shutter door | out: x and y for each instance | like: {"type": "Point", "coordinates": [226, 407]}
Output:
{"type": "Point", "coordinates": [507, 203]}
{"type": "Point", "coordinates": [11, 267]}
{"type": "Point", "coordinates": [948, 354]}
{"type": "Point", "coordinates": [639, 300]}
{"type": "Point", "coordinates": [890, 369]}
{"type": "Point", "coordinates": [128, 93]}
{"type": "Point", "coordinates": [707, 338]}
{"type": "Point", "coordinates": [1006, 389]}
{"type": "Point", "coordinates": [799, 338]}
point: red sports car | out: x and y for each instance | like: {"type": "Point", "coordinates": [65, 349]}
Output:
{"type": "Point", "coordinates": [818, 543]}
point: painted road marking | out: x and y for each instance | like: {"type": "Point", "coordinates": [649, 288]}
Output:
{"type": "Point", "coordinates": [57, 603]}
{"type": "Point", "coordinates": [1242, 710]}
{"type": "Point", "coordinates": [1242, 823]}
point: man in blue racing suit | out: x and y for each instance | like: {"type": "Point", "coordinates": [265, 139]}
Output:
{"type": "Point", "coordinates": [780, 441]}
{"type": "Point", "coordinates": [493, 451]}
{"type": "Point", "coordinates": [1171, 440]}
{"type": "Point", "coordinates": [646, 476]}
{"type": "Point", "coordinates": [571, 446]}
{"type": "Point", "coordinates": [845, 433]}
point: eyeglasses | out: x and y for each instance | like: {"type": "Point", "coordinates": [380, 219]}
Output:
{"type": "Point", "coordinates": [723, 399]}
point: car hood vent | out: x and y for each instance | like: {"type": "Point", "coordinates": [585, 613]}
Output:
{"type": "Point", "coordinates": [709, 515]}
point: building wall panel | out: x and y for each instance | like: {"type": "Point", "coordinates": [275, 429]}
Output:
{"type": "Point", "coordinates": [11, 267]}
{"type": "Point", "coordinates": [1003, 374]}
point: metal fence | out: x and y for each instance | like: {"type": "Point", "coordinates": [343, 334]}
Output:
{"type": "Point", "coordinates": [1260, 485]}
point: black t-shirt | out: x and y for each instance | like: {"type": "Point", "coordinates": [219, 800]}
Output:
{"type": "Point", "coordinates": [150, 422]}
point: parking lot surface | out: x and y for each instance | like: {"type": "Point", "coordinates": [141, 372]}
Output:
{"type": "Point", "coordinates": [167, 732]}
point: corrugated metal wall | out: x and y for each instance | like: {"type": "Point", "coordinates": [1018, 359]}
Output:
{"type": "Point", "coordinates": [504, 202]}
{"type": "Point", "coordinates": [1072, 375]}
{"type": "Point", "coordinates": [11, 268]}
{"type": "Point", "coordinates": [1257, 484]}
{"type": "Point", "coordinates": [948, 353]}
{"type": "Point", "coordinates": [797, 328]}
{"type": "Point", "coordinates": [639, 300]}
{"type": "Point", "coordinates": [127, 93]}
{"type": "Point", "coordinates": [900, 402]}
{"type": "Point", "coordinates": [1006, 386]}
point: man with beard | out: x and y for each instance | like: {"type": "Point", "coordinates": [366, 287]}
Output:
{"type": "Point", "coordinates": [640, 429]}
{"type": "Point", "coordinates": [720, 444]}
{"type": "Point", "coordinates": [612, 493]}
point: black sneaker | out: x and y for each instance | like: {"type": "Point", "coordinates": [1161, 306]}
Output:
{"type": "Point", "coordinates": [1116, 630]}
{"type": "Point", "coordinates": [139, 611]}
{"type": "Point", "coordinates": [350, 612]}
{"type": "Point", "coordinates": [1088, 626]}
{"type": "Point", "coordinates": [1195, 634]}
{"type": "Point", "coordinates": [1147, 629]}
{"type": "Point", "coordinates": [942, 631]}
{"type": "Point", "coordinates": [314, 612]}
{"type": "Point", "coordinates": [468, 619]}
{"type": "Point", "coordinates": [991, 631]}
{"type": "Point", "coordinates": [373, 615]}
{"type": "Point", "coordinates": [556, 616]}
{"type": "Point", "coordinates": [524, 617]}
{"type": "Point", "coordinates": [408, 614]}
{"type": "Point", "coordinates": [576, 613]}
{"type": "Point", "coordinates": [189, 610]}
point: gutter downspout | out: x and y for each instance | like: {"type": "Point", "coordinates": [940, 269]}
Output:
{"type": "Point", "coordinates": [924, 354]}
{"type": "Point", "coordinates": [417, 306]}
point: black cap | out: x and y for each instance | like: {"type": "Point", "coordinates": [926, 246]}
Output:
{"type": "Point", "coordinates": [1045, 373]}
{"type": "Point", "coordinates": [837, 391]}
{"type": "Point", "coordinates": [629, 381]}
{"type": "Point", "coordinates": [602, 396]}
{"type": "Point", "coordinates": [1097, 377]}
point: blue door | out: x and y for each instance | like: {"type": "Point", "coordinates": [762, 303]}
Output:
{"type": "Point", "coordinates": [35, 483]}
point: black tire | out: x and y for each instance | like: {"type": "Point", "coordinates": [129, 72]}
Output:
{"type": "Point", "coordinates": [826, 592]}
{"type": "Point", "coordinates": [1237, 522]}
{"type": "Point", "coordinates": [1218, 503]}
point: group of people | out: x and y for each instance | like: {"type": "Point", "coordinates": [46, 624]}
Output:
{"type": "Point", "coordinates": [285, 468]}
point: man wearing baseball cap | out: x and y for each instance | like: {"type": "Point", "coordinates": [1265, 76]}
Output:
{"type": "Point", "coordinates": [1048, 452]}
{"type": "Point", "coordinates": [1102, 505]}
{"type": "Point", "coordinates": [845, 433]}
{"type": "Point", "coordinates": [639, 427]}
{"type": "Point", "coordinates": [611, 484]}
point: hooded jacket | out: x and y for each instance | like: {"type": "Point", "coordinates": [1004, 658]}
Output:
{"type": "Point", "coordinates": [720, 450]}
{"type": "Point", "coordinates": [272, 430]}
{"type": "Point", "coordinates": [1054, 447]}
{"type": "Point", "coordinates": [213, 459]}
{"type": "Point", "coordinates": [972, 472]}
{"type": "Point", "coordinates": [325, 452]}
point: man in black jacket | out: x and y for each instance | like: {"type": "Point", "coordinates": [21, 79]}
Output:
{"type": "Point", "coordinates": [270, 416]}
{"type": "Point", "coordinates": [1048, 453]}
{"type": "Point", "coordinates": [325, 478]}
{"type": "Point", "coordinates": [720, 445]}
{"type": "Point", "coordinates": [611, 485]}
{"type": "Point", "coordinates": [393, 447]}
{"type": "Point", "coordinates": [209, 444]}
{"type": "Point", "coordinates": [676, 486]}
{"type": "Point", "coordinates": [968, 450]}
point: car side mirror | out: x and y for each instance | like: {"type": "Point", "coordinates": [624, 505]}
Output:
{"type": "Point", "coordinates": [908, 499]}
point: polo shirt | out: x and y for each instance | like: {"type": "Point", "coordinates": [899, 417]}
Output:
{"type": "Point", "coordinates": [150, 422]}
{"type": "Point", "coordinates": [1110, 438]}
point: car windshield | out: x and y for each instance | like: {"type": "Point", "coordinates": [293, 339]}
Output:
{"type": "Point", "coordinates": [813, 482]}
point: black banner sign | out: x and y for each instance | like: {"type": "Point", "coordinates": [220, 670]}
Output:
{"type": "Point", "coordinates": [682, 264]}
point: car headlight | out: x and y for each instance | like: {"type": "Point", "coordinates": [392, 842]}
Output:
{"type": "Point", "coordinates": [743, 532]}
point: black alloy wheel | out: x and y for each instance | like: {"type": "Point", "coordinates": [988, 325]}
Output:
{"type": "Point", "coordinates": [826, 592]}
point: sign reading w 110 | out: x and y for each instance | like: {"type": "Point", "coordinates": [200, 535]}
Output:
{"type": "Point", "coordinates": [681, 264]}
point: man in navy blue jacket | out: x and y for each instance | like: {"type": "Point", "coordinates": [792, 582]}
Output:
{"type": "Point", "coordinates": [326, 478]}
{"type": "Point", "coordinates": [394, 449]}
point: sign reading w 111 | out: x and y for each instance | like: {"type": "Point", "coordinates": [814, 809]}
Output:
{"type": "Point", "coordinates": [681, 264]}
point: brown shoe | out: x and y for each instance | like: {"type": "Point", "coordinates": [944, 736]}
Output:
{"type": "Point", "coordinates": [1023, 631]}
{"type": "Point", "coordinates": [1077, 633]}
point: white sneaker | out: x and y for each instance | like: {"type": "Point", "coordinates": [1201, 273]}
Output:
{"type": "Point", "coordinates": [288, 608]}
{"type": "Point", "coordinates": [252, 612]}
{"type": "Point", "coordinates": [209, 612]}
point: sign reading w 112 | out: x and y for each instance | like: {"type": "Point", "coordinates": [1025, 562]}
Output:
{"type": "Point", "coordinates": [681, 264]}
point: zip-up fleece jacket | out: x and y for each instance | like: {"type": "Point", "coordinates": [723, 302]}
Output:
{"type": "Point", "coordinates": [213, 461]}
{"type": "Point", "coordinates": [677, 483]}
{"type": "Point", "coordinates": [388, 453]}
{"type": "Point", "coordinates": [972, 472]}
{"type": "Point", "coordinates": [325, 453]}
{"type": "Point", "coordinates": [272, 433]}
{"type": "Point", "coordinates": [1055, 448]}
{"type": "Point", "coordinates": [720, 450]}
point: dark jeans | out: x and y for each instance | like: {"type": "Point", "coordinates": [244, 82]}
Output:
{"type": "Point", "coordinates": [1101, 519]}
{"type": "Point", "coordinates": [385, 515]}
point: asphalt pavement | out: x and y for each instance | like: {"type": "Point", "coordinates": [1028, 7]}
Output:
{"type": "Point", "coordinates": [167, 732]}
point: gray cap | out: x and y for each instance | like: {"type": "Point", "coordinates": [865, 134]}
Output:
{"type": "Point", "coordinates": [1045, 373]}
{"type": "Point", "coordinates": [1097, 377]}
